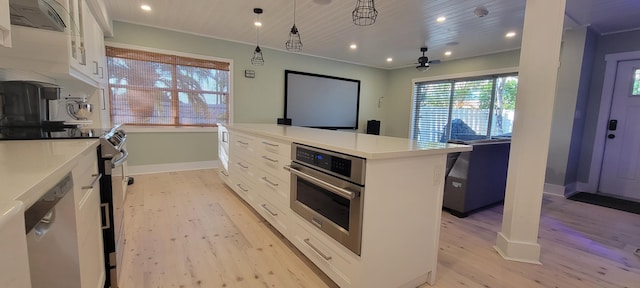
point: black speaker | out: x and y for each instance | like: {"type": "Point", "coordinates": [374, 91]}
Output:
{"type": "Point", "coordinates": [284, 121]}
{"type": "Point", "coordinates": [373, 127]}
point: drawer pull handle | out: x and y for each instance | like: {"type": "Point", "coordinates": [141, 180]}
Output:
{"type": "Point", "coordinates": [96, 177]}
{"type": "Point", "coordinates": [264, 206]}
{"type": "Point", "coordinates": [242, 165]}
{"type": "Point", "coordinates": [224, 173]}
{"type": "Point", "coordinates": [269, 159]}
{"type": "Point", "coordinates": [308, 242]}
{"type": "Point", "coordinates": [270, 144]}
{"type": "Point", "coordinates": [243, 143]}
{"type": "Point", "coordinates": [269, 181]}
{"type": "Point", "coordinates": [242, 188]}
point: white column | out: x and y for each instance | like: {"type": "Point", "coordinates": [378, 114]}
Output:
{"type": "Point", "coordinates": [539, 61]}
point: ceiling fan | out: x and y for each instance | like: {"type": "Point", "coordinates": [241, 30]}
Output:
{"type": "Point", "coordinates": [423, 61]}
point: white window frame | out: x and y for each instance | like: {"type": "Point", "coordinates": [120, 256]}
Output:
{"type": "Point", "coordinates": [449, 77]}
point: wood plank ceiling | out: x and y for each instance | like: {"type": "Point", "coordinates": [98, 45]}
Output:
{"type": "Point", "coordinates": [401, 29]}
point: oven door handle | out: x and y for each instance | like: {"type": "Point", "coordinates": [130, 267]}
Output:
{"type": "Point", "coordinates": [120, 160]}
{"type": "Point", "coordinates": [344, 193]}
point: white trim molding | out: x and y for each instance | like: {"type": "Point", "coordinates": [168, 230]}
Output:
{"type": "Point", "coordinates": [554, 189]}
{"type": "Point", "coordinates": [171, 167]}
{"type": "Point", "coordinates": [608, 84]}
{"type": "Point", "coordinates": [467, 74]}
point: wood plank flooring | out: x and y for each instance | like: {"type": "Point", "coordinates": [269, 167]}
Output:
{"type": "Point", "coordinates": [186, 229]}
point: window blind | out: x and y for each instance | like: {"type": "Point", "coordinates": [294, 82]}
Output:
{"type": "Point", "coordinates": [464, 109]}
{"type": "Point", "coordinates": [154, 89]}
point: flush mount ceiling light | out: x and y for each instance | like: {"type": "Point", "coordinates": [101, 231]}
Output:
{"type": "Point", "coordinates": [510, 35]}
{"type": "Point", "coordinates": [145, 7]}
{"type": "Point", "coordinates": [365, 13]}
{"type": "Point", "coordinates": [257, 59]}
{"type": "Point", "coordinates": [294, 44]}
{"type": "Point", "coordinates": [441, 19]}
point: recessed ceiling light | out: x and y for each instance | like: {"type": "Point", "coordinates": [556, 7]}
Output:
{"type": "Point", "coordinates": [510, 35]}
{"type": "Point", "coordinates": [441, 19]}
{"type": "Point", "coordinates": [145, 7]}
{"type": "Point", "coordinates": [389, 59]}
{"type": "Point", "coordinates": [353, 46]}
{"type": "Point", "coordinates": [448, 53]}
{"type": "Point", "coordinates": [257, 23]}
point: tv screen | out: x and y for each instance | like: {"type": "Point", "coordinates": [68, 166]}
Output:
{"type": "Point", "coordinates": [321, 101]}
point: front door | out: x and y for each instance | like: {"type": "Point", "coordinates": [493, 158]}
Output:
{"type": "Point", "coordinates": [620, 174]}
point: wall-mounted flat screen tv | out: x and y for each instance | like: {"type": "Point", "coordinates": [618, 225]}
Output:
{"type": "Point", "coordinates": [321, 101]}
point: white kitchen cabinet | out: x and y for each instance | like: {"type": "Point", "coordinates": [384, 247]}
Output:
{"type": "Point", "coordinates": [5, 24]}
{"type": "Point", "coordinates": [89, 221]}
{"type": "Point", "coordinates": [255, 172]}
{"type": "Point", "coordinates": [67, 55]}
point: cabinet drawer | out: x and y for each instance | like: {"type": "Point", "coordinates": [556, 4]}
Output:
{"type": "Point", "coordinates": [277, 217]}
{"type": "Point", "coordinates": [224, 175]}
{"type": "Point", "coordinates": [242, 145]}
{"type": "Point", "coordinates": [243, 167]}
{"type": "Point", "coordinates": [274, 164]}
{"type": "Point", "coordinates": [272, 146]}
{"type": "Point", "coordinates": [339, 265]}
{"type": "Point", "coordinates": [274, 189]}
{"type": "Point", "coordinates": [244, 188]}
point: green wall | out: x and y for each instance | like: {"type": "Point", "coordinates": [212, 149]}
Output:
{"type": "Point", "coordinates": [255, 100]}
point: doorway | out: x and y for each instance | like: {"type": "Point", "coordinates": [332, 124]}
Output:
{"type": "Point", "coordinates": [620, 173]}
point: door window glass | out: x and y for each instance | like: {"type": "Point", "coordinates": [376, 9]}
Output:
{"type": "Point", "coordinates": [636, 83]}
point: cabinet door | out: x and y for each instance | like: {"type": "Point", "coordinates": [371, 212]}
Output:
{"type": "Point", "coordinates": [5, 24]}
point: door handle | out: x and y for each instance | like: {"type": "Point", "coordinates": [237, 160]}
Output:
{"type": "Point", "coordinates": [613, 125]}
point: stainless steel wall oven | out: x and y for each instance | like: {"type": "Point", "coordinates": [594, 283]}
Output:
{"type": "Point", "coordinates": [327, 189]}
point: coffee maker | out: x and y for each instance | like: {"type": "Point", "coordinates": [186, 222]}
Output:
{"type": "Point", "coordinates": [26, 103]}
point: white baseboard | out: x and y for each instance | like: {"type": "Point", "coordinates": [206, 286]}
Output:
{"type": "Point", "coordinates": [553, 189]}
{"type": "Point", "coordinates": [528, 252]}
{"type": "Point", "coordinates": [561, 191]}
{"type": "Point", "coordinates": [584, 187]}
{"type": "Point", "coordinates": [171, 167]}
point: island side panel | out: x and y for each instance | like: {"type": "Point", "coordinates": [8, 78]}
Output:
{"type": "Point", "coordinates": [401, 220]}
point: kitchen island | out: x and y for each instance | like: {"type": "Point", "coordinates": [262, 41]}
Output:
{"type": "Point", "coordinates": [401, 207]}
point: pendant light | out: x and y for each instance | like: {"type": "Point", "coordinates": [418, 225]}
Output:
{"type": "Point", "coordinates": [257, 59]}
{"type": "Point", "coordinates": [365, 13]}
{"type": "Point", "coordinates": [294, 44]}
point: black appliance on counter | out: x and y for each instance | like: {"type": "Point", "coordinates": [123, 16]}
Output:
{"type": "Point", "coordinates": [476, 179]}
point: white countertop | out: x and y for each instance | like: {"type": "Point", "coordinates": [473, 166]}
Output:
{"type": "Point", "coordinates": [362, 145]}
{"type": "Point", "coordinates": [29, 167]}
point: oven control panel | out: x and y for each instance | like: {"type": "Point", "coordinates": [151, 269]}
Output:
{"type": "Point", "coordinates": [324, 161]}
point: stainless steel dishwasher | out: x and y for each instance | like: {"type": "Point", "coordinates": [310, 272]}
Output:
{"type": "Point", "coordinates": [51, 238]}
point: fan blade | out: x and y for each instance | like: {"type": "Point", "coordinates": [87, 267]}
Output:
{"type": "Point", "coordinates": [437, 61]}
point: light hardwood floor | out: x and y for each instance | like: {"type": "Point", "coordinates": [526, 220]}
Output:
{"type": "Point", "coordinates": [186, 229]}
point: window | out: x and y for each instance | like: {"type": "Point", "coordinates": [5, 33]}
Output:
{"type": "Point", "coordinates": [636, 83]}
{"type": "Point", "coordinates": [154, 89]}
{"type": "Point", "coordinates": [464, 109]}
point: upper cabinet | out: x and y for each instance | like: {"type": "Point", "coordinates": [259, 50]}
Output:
{"type": "Point", "coordinates": [5, 24]}
{"type": "Point", "coordinates": [77, 53]}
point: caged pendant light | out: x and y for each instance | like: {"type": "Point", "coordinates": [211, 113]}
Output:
{"type": "Point", "coordinates": [294, 44]}
{"type": "Point", "coordinates": [365, 13]}
{"type": "Point", "coordinates": [257, 59]}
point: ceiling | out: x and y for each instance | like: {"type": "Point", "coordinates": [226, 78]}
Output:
{"type": "Point", "coordinates": [402, 26]}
